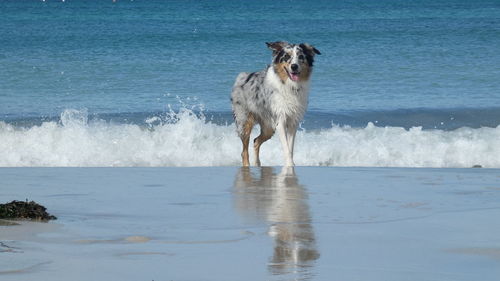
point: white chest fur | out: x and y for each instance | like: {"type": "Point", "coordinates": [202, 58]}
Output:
{"type": "Point", "coordinates": [290, 99]}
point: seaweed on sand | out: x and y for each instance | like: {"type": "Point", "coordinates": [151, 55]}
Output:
{"type": "Point", "coordinates": [24, 210]}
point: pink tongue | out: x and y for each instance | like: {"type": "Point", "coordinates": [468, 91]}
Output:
{"type": "Point", "coordinates": [295, 77]}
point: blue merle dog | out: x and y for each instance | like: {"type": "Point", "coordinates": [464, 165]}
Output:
{"type": "Point", "coordinates": [276, 98]}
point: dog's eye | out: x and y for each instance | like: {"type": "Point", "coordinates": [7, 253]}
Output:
{"type": "Point", "coordinates": [301, 57]}
{"type": "Point", "coordinates": [286, 57]}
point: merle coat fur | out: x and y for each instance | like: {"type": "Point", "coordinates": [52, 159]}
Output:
{"type": "Point", "coordinates": [275, 98]}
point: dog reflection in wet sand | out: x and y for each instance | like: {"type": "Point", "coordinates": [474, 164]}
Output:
{"type": "Point", "coordinates": [280, 201]}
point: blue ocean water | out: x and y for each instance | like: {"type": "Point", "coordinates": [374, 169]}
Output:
{"type": "Point", "coordinates": [164, 70]}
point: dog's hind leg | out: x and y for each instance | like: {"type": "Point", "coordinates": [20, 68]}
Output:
{"type": "Point", "coordinates": [265, 134]}
{"type": "Point", "coordinates": [245, 138]}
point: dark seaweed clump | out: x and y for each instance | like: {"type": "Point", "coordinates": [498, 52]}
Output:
{"type": "Point", "coordinates": [24, 210]}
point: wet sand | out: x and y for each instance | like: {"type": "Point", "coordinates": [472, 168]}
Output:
{"type": "Point", "coordinates": [229, 223]}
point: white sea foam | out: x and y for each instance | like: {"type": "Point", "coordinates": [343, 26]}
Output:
{"type": "Point", "coordinates": [186, 139]}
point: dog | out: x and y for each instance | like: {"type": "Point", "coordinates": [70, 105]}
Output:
{"type": "Point", "coordinates": [276, 98]}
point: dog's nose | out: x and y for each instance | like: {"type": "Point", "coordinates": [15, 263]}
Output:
{"type": "Point", "coordinates": [294, 67]}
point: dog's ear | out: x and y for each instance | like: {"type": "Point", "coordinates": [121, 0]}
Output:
{"type": "Point", "coordinates": [276, 46]}
{"type": "Point", "coordinates": [310, 49]}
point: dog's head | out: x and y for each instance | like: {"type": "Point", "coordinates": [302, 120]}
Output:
{"type": "Point", "coordinates": [293, 61]}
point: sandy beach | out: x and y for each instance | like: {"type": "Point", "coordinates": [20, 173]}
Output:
{"type": "Point", "coordinates": [230, 223]}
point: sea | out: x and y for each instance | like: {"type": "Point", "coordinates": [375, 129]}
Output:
{"type": "Point", "coordinates": [146, 83]}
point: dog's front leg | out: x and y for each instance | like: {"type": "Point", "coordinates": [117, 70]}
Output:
{"type": "Point", "coordinates": [291, 130]}
{"type": "Point", "coordinates": [282, 132]}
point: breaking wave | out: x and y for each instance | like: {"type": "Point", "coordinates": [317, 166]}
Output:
{"type": "Point", "coordinates": [186, 138]}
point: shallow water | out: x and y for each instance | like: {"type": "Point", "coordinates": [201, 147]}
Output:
{"type": "Point", "coordinates": [265, 223]}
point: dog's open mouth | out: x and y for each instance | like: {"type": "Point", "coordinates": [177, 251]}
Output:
{"type": "Point", "coordinates": [294, 75]}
